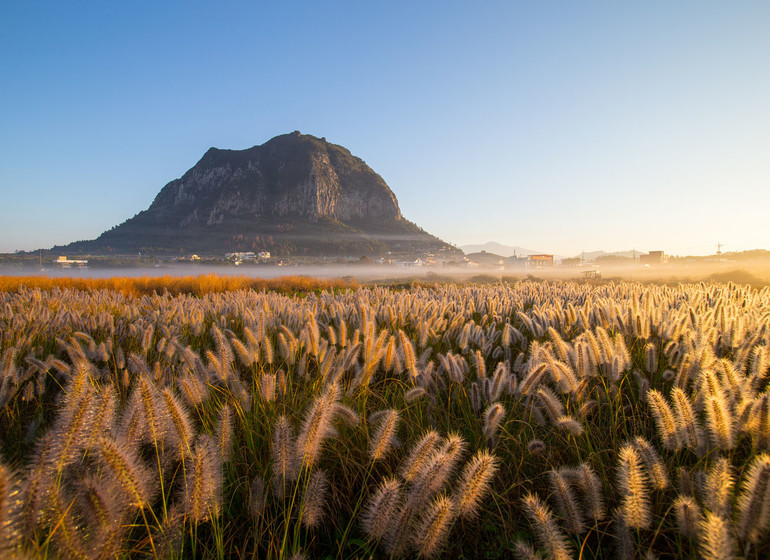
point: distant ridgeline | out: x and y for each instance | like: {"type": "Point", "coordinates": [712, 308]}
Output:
{"type": "Point", "coordinates": [294, 195]}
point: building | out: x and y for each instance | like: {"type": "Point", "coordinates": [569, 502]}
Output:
{"type": "Point", "coordinates": [541, 261]}
{"type": "Point", "coordinates": [482, 258]}
{"type": "Point", "coordinates": [654, 257]}
{"type": "Point", "coordinates": [516, 261]}
{"type": "Point", "coordinates": [64, 262]}
{"type": "Point", "coordinates": [239, 258]}
{"type": "Point", "coordinates": [411, 264]}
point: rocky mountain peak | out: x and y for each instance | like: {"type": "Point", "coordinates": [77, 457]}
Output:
{"type": "Point", "coordinates": [295, 193]}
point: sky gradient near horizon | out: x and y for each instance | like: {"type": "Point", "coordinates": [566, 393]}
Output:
{"type": "Point", "coordinates": [556, 126]}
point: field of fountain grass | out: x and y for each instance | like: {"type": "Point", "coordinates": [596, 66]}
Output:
{"type": "Point", "coordinates": [539, 419]}
{"type": "Point", "coordinates": [176, 285]}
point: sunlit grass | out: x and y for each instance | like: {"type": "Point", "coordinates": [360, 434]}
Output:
{"type": "Point", "coordinates": [176, 285]}
{"type": "Point", "coordinates": [213, 417]}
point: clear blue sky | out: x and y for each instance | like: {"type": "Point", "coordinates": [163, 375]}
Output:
{"type": "Point", "coordinates": [556, 126]}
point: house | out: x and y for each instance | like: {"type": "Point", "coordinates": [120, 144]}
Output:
{"type": "Point", "coordinates": [411, 264]}
{"type": "Point", "coordinates": [64, 262]}
{"type": "Point", "coordinates": [541, 261]}
{"type": "Point", "coordinates": [239, 258]}
{"type": "Point", "coordinates": [489, 260]}
{"type": "Point", "coordinates": [654, 257]}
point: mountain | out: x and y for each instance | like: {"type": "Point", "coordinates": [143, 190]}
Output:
{"type": "Point", "coordinates": [498, 249]}
{"type": "Point", "coordinates": [594, 255]}
{"type": "Point", "coordinates": [293, 195]}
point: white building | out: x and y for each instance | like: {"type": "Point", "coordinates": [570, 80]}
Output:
{"type": "Point", "coordinates": [64, 262]}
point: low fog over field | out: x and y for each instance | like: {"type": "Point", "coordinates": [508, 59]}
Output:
{"type": "Point", "coordinates": [756, 273]}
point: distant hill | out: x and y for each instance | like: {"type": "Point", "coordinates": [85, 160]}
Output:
{"type": "Point", "coordinates": [593, 255]}
{"type": "Point", "coordinates": [498, 249]}
{"type": "Point", "coordinates": [294, 195]}
{"type": "Point", "coordinates": [485, 258]}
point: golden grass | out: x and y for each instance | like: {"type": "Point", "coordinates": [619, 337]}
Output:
{"type": "Point", "coordinates": [176, 285]}
{"type": "Point", "coordinates": [612, 419]}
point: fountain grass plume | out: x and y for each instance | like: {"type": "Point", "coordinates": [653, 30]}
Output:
{"type": "Point", "coordinates": [71, 431]}
{"type": "Point", "coordinates": [684, 484]}
{"type": "Point", "coordinates": [688, 516]}
{"type": "Point", "coordinates": [715, 540]}
{"type": "Point", "coordinates": [104, 506]}
{"type": "Point", "coordinates": [525, 551]}
{"type": "Point", "coordinates": [130, 427]}
{"type": "Point", "coordinates": [222, 360]}
{"type": "Point", "coordinates": [388, 356]}
{"type": "Point", "coordinates": [549, 536]}
{"type": "Point", "coordinates": [429, 481]}
{"type": "Point", "coordinates": [103, 414]}
{"type": "Point", "coordinates": [155, 416]}
{"type": "Point", "coordinates": [385, 435]}
{"type": "Point", "coordinates": [475, 397]}
{"type": "Point", "coordinates": [591, 487]}
{"type": "Point", "coordinates": [720, 422]}
{"type": "Point", "coordinates": [433, 527]}
{"type": "Point", "coordinates": [121, 461]}
{"type": "Point", "coordinates": [267, 387]}
{"type": "Point", "coordinates": [552, 404]}
{"type": "Point", "coordinates": [718, 488]}
{"type": "Point", "coordinates": [267, 350]}
{"type": "Point", "coordinates": [201, 494]}
{"type": "Point", "coordinates": [416, 392]}
{"type": "Point", "coordinates": [493, 416]}
{"type": "Point", "coordinates": [35, 487]}
{"type": "Point", "coordinates": [381, 511]}
{"type": "Point", "coordinates": [181, 435]}
{"type": "Point", "coordinates": [536, 446]}
{"type": "Point", "coordinates": [313, 505]}
{"type": "Point", "coordinates": [419, 455]}
{"type": "Point", "coordinates": [534, 376]}
{"type": "Point", "coordinates": [664, 419]}
{"type": "Point", "coordinates": [567, 503]}
{"type": "Point", "coordinates": [69, 536]}
{"type": "Point", "coordinates": [257, 497]}
{"type": "Point", "coordinates": [224, 433]}
{"type": "Point", "coordinates": [634, 486]}
{"type": "Point", "coordinates": [753, 504]}
{"type": "Point", "coordinates": [688, 430]}
{"type": "Point", "coordinates": [192, 389]}
{"type": "Point", "coordinates": [651, 358]}
{"type": "Point", "coordinates": [475, 482]}
{"type": "Point", "coordinates": [653, 463]}
{"type": "Point", "coordinates": [317, 425]}
{"type": "Point", "coordinates": [624, 544]}
{"type": "Point", "coordinates": [347, 415]}
{"type": "Point", "coordinates": [454, 446]}
{"type": "Point", "coordinates": [569, 425]}
{"type": "Point", "coordinates": [245, 356]}
{"type": "Point", "coordinates": [284, 454]}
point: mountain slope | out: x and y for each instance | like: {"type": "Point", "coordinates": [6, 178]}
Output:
{"type": "Point", "coordinates": [499, 249]}
{"type": "Point", "coordinates": [295, 194]}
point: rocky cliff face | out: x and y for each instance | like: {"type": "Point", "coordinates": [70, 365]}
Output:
{"type": "Point", "coordinates": [295, 194]}
{"type": "Point", "coordinates": [291, 176]}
